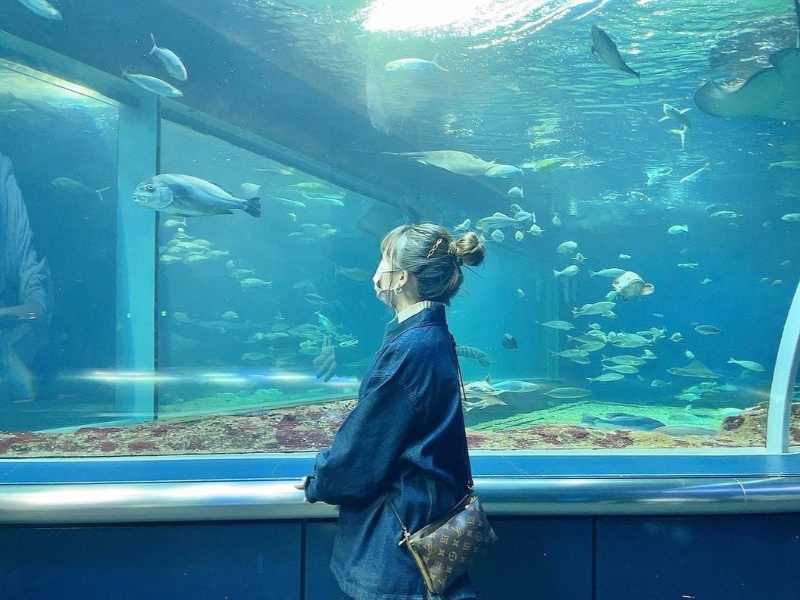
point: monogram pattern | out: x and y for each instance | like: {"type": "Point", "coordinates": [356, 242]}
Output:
{"type": "Point", "coordinates": [445, 550]}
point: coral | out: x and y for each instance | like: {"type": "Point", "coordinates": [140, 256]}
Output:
{"type": "Point", "coordinates": [311, 427]}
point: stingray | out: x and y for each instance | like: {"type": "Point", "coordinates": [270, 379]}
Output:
{"type": "Point", "coordinates": [694, 369]}
{"type": "Point", "coordinates": [773, 92]}
{"type": "Point", "coordinates": [454, 161]}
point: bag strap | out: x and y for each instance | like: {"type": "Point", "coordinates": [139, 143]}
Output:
{"type": "Point", "coordinates": [470, 482]}
{"type": "Point", "coordinates": [406, 534]}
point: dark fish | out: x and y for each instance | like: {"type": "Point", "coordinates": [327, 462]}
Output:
{"type": "Point", "coordinates": [606, 49]}
{"type": "Point", "coordinates": [473, 352]}
{"type": "Point", "coordinates": [509, 341]}
{"type": "Point", "coordinates": [622, 421]}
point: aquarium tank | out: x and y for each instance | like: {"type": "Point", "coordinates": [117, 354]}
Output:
{"type": "Point", "coordinates": [197, 191]}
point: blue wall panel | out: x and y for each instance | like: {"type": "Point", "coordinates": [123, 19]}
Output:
{"type": "Point", "coordinates": [538, 559]}
{"type": "Point", "coordinates": [238, 561]}
{"type": "Point", "coordinates": [320, 582]}
{"type": "Point", "coordinates": [726, 557]}
{"type": "Point", "coordinates": [545, 559]}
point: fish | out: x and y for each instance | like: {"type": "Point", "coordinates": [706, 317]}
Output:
{"type": "Point", "coordinates": [624, 359]}
{"type": "Point", "coordinates": [579, 258]}
{"type": "Point", "coordinates": [707, 330]}
{"type": "Point", "coordinates": [518, 235]}
{"type": "Point", "coordinates": [607, 272]}
{"type": "Point", "coordinates": [656, 174]}
{"type": "Point", "coordinates": [407, 65]}
{"type": "Point", "coordinates": [556, 221]}
{"type": "Point", "coordinates": [172, 64]}
{"type": "Point", "coordinates": [454, 161]}
{"type": "Point", "coordinates": [568, 393]}
{"type": "Point", "coordinates": [567, 248]}
{"type": "Point", "coordinates": [694, 369]}
{"type": "Point", "coordinates": [473, 352]}
{"type": "Point", "coordinates": [596, 308]}
{"type": "Point", "coordinates": [188, 196]}
{"type": "Point", "coordinates": [502, 171]}
{"type": "Point", "coordinates": [483, 387]}
{"type": "Point", "coordinates": [42, 8]}
{"type": "Point", "coordinates": [520, 293]}
{"type": "Point", "coordinates": [516, 192]}
{"type": "Point", "coordinates": [676, 114]}
{"type": "Point", "coordinates": [724, 214]}
{"type": "Point", "coordinates": [497, 235]}
{"type": "Point", "coordinates": [606, 49]}
{"type": "Point", "coordinates": [463, 226]}
{"type": "Point", "coordinates": [563, 325]}
{"type": "Point", "coordinates": [509, 341]}
{"type": "Point", "coordinates": [496, 221]}
{"type": "Point", "coordinates": [747, 364]}
{"type": "Point", "coordinates": [76, 187]}
{"type": "Point", "coordinates": [681, 430]}
{"type": "Point", "coordinates": [553, 162]}
{"type": "Point", "coordinates": [535, 230]}
{"type": "Point", "coordinates": [606, 377]}
{"type": "Point", "coordinates": [785, 164]}
{"type": "Point", "coordinates": [791, 217]}
{"type": "Point", "coordinates": [681, 133]}
{"type": "Point", "coordinates": [354, 273]}
{"type": "Point", "coordinates": [570, 271]}
{"type": "Point", "coordinates": [773, 92]}
{"type": "Point", "coordinates": [483, 402]}
{"type": "Point", "coordinates": [253, 282]}
{"type": "Point", "coordinates": [515, 386]}
{"type": "Point", "coordinates": [678, 229]}
{"type": "Point", "coordinates": [154, 85]}
{"type": "Point", "coordinates": [695, 174]}
{"type": "Point", "coordinates": [622, 421]}
{"type": "Point", "coordinates": [624, 257]}
{"type": "Point", "coordinates": [676, 337]}
{"type": "Point", "coordinates": [630, 284]}
{"type": "Point", "coordinates": [626, 369]}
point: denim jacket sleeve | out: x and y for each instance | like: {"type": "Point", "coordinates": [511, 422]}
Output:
{"type": "Point", "coordinates": [369, 442]}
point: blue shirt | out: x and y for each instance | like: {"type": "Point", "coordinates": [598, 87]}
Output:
{"type": "Point", "coordinates": [405, 438]}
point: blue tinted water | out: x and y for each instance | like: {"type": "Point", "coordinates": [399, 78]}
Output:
{"type": "Point", "coordinates": [521, 85]}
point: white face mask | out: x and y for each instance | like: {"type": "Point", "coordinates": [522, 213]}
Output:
{"type": "Point", "coordinates": [383, 294]}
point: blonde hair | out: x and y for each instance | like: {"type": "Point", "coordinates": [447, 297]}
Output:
{"type": "Point", "coordinates": [431, 254]}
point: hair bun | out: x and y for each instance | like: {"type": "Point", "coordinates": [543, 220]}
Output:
{"type": "Point", "coordinates": [469, 249]}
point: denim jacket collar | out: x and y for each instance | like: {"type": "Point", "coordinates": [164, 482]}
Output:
{"type": "Point", "coordinates": [434, 315]}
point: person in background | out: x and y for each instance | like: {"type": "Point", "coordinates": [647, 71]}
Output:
{"type": "Point", "coordinates": [405, 439]}
{"type": "Point", "coordinates": [25, 291]}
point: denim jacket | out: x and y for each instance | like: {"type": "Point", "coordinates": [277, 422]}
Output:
{"type": "Point", "coordinates": [405, 438]}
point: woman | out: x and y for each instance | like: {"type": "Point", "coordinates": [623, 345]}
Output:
{"type": "Point", "coordinates": [26, 295]}
{"type": "Point", "coordinates": [405, 440]}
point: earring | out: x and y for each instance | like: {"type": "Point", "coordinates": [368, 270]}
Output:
{"type": "Point", "coordinates": [398, 289]}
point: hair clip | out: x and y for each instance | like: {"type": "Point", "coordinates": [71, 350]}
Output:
{"type": "Point", "coordinates": [435, 247]}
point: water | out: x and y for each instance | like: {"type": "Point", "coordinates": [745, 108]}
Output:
{"type": "Point", "coordinates": [521, 85]}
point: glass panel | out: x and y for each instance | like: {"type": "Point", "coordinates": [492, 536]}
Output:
{"type": "Point", "coordinates": [62, 140]}
{"type": "Point", "coordinates": [608, 186]}
{"type": "Point", "coordinates": [246, 300]}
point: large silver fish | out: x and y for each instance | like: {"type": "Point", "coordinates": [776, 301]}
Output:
{"type": "Point", "coordinates": [606, 49]}
{"type": "Point", "coordinates": [189, 196]}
